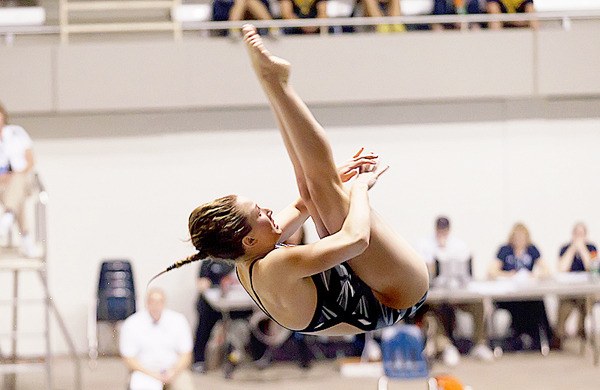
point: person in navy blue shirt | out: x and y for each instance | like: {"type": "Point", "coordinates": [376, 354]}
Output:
{"type": "Point", "coordinates": [575, 256]}
{"type": "Point", "coordinates": [452, 7]}
{"type": "Point", "coordinates": [520, 257]}
{"type": "Point", "coordinates": [578, 254]}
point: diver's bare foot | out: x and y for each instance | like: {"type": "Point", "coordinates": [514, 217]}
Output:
{"type": "Point", "coordinates": [268, 67]}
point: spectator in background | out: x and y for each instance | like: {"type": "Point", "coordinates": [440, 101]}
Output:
{"type": "Point", "coordinates": [303, 9]}
{"type": "Point", "coordinates": [156, 345]}
{"type": "Point", "coordinates": [443, 247]}
{"type": "Point", "coordinates": [236, 10]}
{"type": "Point", "coordinates": [16, 178]}
{"type": "Point", "coordinates": [380, 8]}
{"type": "Point", "coordinates": [212, 274]}
{"type": "Point", "coordinates": [575, 256]}
{"type": "Point", "coordinates": [520, 259]}
{"type": "Point", "coordinates": [451, 7]}
{"type": "Point", "coordinates": [510, 7]}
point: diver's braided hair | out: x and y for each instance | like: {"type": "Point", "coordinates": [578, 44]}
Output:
{"type": "Point", "coordinates": [190, 259]}
{"type": "Point", "coordinates": [216, 231]}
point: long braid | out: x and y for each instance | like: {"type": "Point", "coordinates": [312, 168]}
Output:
{"type": "Point", "coordinates": [190, 259]}
{"type": "Point", "coordinates": [216, 231]}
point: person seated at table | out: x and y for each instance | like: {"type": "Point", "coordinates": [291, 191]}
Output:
{"type": "Point", "coordinates": [211, 274]}
{"type": "Point", "coordinates": [441, 248]}
{"type": "Point", "coordinates": [520, 260]}
{"type": "Point", "coordinates": [575, 256]}
{"type": "Point", "coordinates": [510, 7]}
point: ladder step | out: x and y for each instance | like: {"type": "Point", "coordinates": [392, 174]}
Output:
{"type": "Point", "coordinates": [17, 301]}
{"type": "Point", "coordinates": [24, 264]}
{"type": "Point", "coordinates": [18, 335]}
{"type": "Point", "coordinates": [21, 367]}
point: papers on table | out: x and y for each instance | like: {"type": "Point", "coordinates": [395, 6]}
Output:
{"type": "Point", "coordinates": [493, 288]}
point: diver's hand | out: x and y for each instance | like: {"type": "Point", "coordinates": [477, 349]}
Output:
{"type": "Point", "coordinates": [371, 175]}
{"type": "Point", "coordinates": [348, 169]}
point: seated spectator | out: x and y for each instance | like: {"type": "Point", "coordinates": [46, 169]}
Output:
{"type": "Point", "coordinates": [16, 178]}
{"type": "Point", "coordinates": [442, 248]}
{"type": "Point", "coordinates": [510, 7]}
{"type": "Point", "coordinates": [451, 7]}
{"type": "Point", "coordinates": [156, 346]}
{"type": "Point", "coordinates": [303, 9]}
{"type": "Point", "coordinates": [380, 8]}
{"type": "Point", "coordinates": [575, 256]}
{"type": "Point", "coordinates": [236, 10]}
{"type": "Point", "coordinates": [520, 259]}
{"type": "Point", "coordinates": [212, 274]}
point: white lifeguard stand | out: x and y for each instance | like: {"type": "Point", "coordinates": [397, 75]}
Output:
{"type": "Point", "coordinates": [13, 262]}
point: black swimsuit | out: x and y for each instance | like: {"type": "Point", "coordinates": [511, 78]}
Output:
{"type": "Point", "coordinates": [343, 297]}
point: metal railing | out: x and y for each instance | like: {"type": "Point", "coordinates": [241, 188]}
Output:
{"type": "Point", "coordinates": [563, 17]}
{"type": "Point", "coordinates": [407, 20]}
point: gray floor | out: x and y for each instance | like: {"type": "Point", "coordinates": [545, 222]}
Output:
{"type": "Point", "coordinates": [565, 370]}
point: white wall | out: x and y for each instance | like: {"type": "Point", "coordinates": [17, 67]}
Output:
{"type": "Point", "coordinates": [137, 75]}
{"type": "Point", "coordinates": [122, 196]}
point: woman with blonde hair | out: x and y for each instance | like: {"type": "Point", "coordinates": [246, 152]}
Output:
{"type": "Point", "coordinates": [520, 258]}
{"type": "Point", "coordinates": [359, 276]}
{"type": "Point", "coordinates": [519, 254]}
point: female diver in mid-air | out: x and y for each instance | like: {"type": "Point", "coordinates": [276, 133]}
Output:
{"type": "Point", "coordinates": [359, 276]}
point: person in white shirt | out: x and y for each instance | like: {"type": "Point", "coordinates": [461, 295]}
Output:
{"type": "Point", "coordinates": [156, 345]}
{"type": "Point", "coordinates": [16, 176]}
{"type": "Point", "coordinates": [442, 247]}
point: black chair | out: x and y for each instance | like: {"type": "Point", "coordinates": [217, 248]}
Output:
{"type": "Point", "coordinates": [116, 291]}
{"type": "Point", "coordinates": [115, 305]}
{"type": "Point", "coordinates": [114, 301]}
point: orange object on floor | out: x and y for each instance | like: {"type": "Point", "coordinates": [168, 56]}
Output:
{"type": "Point", "coordinates": [448, 382]}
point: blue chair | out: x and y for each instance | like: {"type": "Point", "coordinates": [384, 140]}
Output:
{"type": "Point", "coordinates": [115, 305]}
{"type": "Point", "coordinates": [116, 291]}
{"type": "Point", "coordinates": [115, 270]}
{"type": "Point", "coordinates": [402, 350]}
{"type": "Point", "coordinates": [115, 300]}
